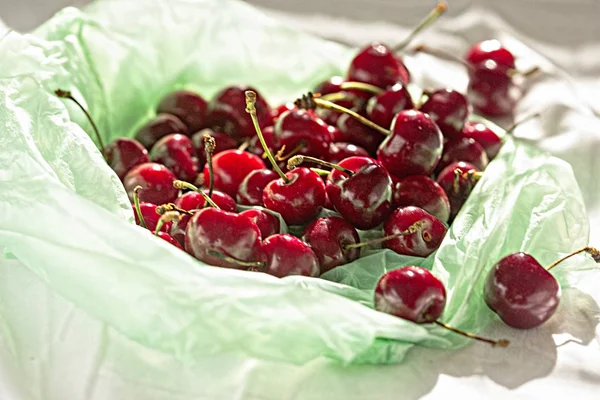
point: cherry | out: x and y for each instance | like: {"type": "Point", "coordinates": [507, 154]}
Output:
{"type": "Point", "coordinates": [382, 108]}
{"type": "Point", "coordinates": [463, 149]}
{"type": "Point", "coordinates": [287, 255]}
{"type": "Point", "coordinates": [162, 125]}
{"type": "Point", "coordinates": [341, 150]}
{"type": "Point", "coordinates": [422, 191]}
{"type": "Point", "coordinates": [353, 131]}
{"type": "Point", "coordinates": [332, 85]}
{"type": "Point", "coordinates": [491, 89]}
{"type": "Point", "coordinates": [296, 126]}
{"type": "Point", "coordinates": [176, 152]}
{"type": "Point", "coordinates": [167, 218]}
{"type": "Point", "coordinates": [423, 241]}
{"type": "Point", "coordinates": [414, 146]}
{"type": "Point", "coordinates": [195, 200]}
{"type": "Point", "coordinates": [255, 146]}
{"type": "Point", "coordinates": [490, 50]}
{"type": "Point", "coordinates": [458, 180]}
{"type": "Point", "coordinates": [522, 292]}
{"type": "Point", "coordinates": [168, 238]}
{"type": "Point", "coordinates": [156, 181]}
{"type": "Point", "coordinates": [250, 191]}
{"type": "Point", "coordinates": [145, 213]}
{"type": "Point", "coordinates": [377, 65]}
{"type": "Point", "coordinates": [328, 238]}
{"type": "Point", "coordinates": [123, 154]}
{"type": "Point", "coordinates": [230, 169]}
{"type": "Point", "coordinates": [226, 111]}
{"type": "Point", "coordinates": [267, 223]}
{"type": "Point", "coordinates": [223, 142]}
{"type": "Point", "coordinates": [276, 112]}
{"type": "Point", "coordinates": [415, 294]}
{"type": "Point", "coordinates": [449, 109]}
{"type": "Point", "coordinates": [188, 106]}
{"type": "Point", "coordinates": [487, 138]}
{"type": "Point", "coordinates": [223, 239]}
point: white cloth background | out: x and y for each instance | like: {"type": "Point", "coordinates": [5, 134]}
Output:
{"type": "Point", "coordinates": [558, 360]}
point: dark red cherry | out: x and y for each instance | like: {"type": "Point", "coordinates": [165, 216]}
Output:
{"type": "Point", "coordinates": [414, 146]}
{"type": "Point", "coordinates": [188, 106]}
{"type": "Point", "coordinates": [421, 243]}
{"type": "Point", "coordinates": [267, 223]}
{"type": "Point", "coordinates": [122, 154]}
{"type": "Point", "coordinates": [156, 181]}
{"type": "Point", "coordinates": [227, 110]}
{"type": "Point", "coordinates": [411, 293]}
{"type": "Point", "coordinates": [168, 238]}
{"type": "Point", "coordinates": [195, 201]}
{"type": "Point", "coordinates": [490, 50]}
{"type": "Point", "coordinates": [214, 234]}
{"type": "Point", "coordinates": [162, 125]}
{"type": "Point", "coordinates": [491, 90]}
{"type": "Point", "coordinates": [382, 108]}
{"type": "Point", "coordinates": [287, 255]}
{"type": "Point", "coordinates": [449, 109]}
{"type": "Point", "coordinates": [463, 149]}
{"type": "Point", "coordinates": [457, 185]}
{"type": "Point", "coordinates": [328, 237]}
{"type": "Point", "coordinates": [422, 191]}
{"type": "Point", "coordinates": [332, 85]}
{"type": "Point", "coordinates": [377, 65]}
{"type": "Point", "coordinates": [272, 142]}
{"type": "Point", "coordinates": [356, 133]}
{"type": "Point", "coordinates": [483, 135]}
{"type": "Point", "coordinates": [223, 142]}
{"type": "Point", "coordinates": [276, 112]}
{"type": "Point", "coordinates": [299, 200]}
{"type": "Point", "coordinates": [176, 152]}
{"type": "Point", "coordinates": [341, 150]}
{"type": "Point", "coordinates": [250, 191]}
{"type": "Point", "coordinates": [521, 291]}
{"type": "Point", "coordinates": [364, 198]}
{"type": "Point", "coordinates": [300, 126]}
{"type": "Point", "coordinates": [231, 167]}
{"type": "Point", "coordinates": [150, 217]}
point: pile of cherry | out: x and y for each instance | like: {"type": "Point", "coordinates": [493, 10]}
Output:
{"type": "Point", "coordinates": [362, 147]}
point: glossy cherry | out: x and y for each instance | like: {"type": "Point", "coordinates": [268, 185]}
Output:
{"type": "Point", "coordinates": [352, 131]}
{"type": "Point", "coordinates": [227, 111]}
{"type": "Point", "coordinates": [491, 90]}
{"type": "Point", "coordinates": [186, 105]}
{"type": "Point", "coordinates": [422, 191]}
{"type": "Point", "coordinates": [287, 255]}
{"type": "Point", "coordinates": [458, 180]}
{"type": "Point", "coordinates": [267, 223]}
{"type": "Point", "coordinates": [483, 135]}
{"type": "Point", "coordinates": [276, 112]}
{"type": "Point", "coordinates": [223, 142]}
{"type": "Point", "coordinates": [449, 109]}
{"type": "Point", "coordinates": [123, 154]}
{"type": "Point", "coordinates": [250, 191]}
{"type": "Point", "coordinates": [376, 64]}
{"type": "Point", "coordinates": [177, 153]}
{"type": "Point", "coordinates": [490, 50]}
{"type": "Point", "coordinates": [167, 219]}
{"type": "Point", "coordinates": [341, 150]}
{"type": "Point", "coordinates": [463, 149]}
{"type": "Point", "coordinates": [230, 169]}
{"type": "Point", "coordinates": [149, 216]}
{"type": "Point", "coordinates": [156, 181]}
{"type": "Point", "coordinates": [162, 125]}
{"type": "Point", "coordinates": [382, 108]}
{"type": "Point", "coordinates": [414, 146]}
{"type": "Point", "coordinates": [195, 201]}
{"type": "Point", "coordinates": [421, 243]}
{"type": "Point", "coordinates": [168, 238]}
{"type": "Point", "coordinates": [328, 237]}
{"type": "Point", "coordinates": [301, 126]}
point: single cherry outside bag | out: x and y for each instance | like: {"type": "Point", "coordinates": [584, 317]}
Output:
{"type": "Point", "coordinates": [67, 218]}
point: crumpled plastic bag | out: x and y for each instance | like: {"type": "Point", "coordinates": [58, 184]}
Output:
{"type": "Point", "coordinates": [66, 216]}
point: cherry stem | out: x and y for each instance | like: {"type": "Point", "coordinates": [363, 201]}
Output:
{"type": "Point", "coordinates": [232, 260]}
{"type": "Point", "coordinates": [525, 74]}
{"type": "Point", "coordinates": [309, 102]}
{"type": "Point", "coordinates": [592, 251]}
{"type": "Point", "coordinates": [442, 54]}
{"type": "Point", "coordinates": [209, 149]}
{"type": "Point", "coordinates": [472, 175]}
{"type": "Point", "coordinates": [494, 343]}
{"type": "Point", "coordinates": [251, 109]}
{"type": "Point", "coordinates": [320, 172]}
{"type": "Point", "coordinates": [297, 160]}
{"type": "Point", "coordinates": [136, 204]}
{"type": "Point", "coordinates": [65, 94]}
{"type": "Point", "coordinates": [511, 128]}
{"type": "Point", "coordinates": [433, 15]}
{"type": "Point", "coordinates": [163, 208]}
{"type": "Point", "coordinates": [244, 145]}
{"type": "Point", "coordinates": [365, 87]}
{"type": "Point", "coordinates": [409, 231]}
{"type": "Point", "coordinates": [186, 185]}
{"type": "Point", "coordinates": [169, 216]}
{"type": "Point", "coordinates": [337, 96]}
{"type": "Point", "coordinates": [281, 157]}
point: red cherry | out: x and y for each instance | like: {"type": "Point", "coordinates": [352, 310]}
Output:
{"type": "Point", "coordinates": [156, 181]}
{"type": "Point", "coordinates": [412, 293]}
{"type": "Point", "coordinates": [168, 238]}
{"type": "Point", "coordinates": [272, 142]}
{"type": "Point", "coordinates": [230, 169]}
{"type": "Point", "coordinates": [328, 237]}
{"type": "Point", "coordinates": [123, 154]}
{"type": "Point", "coordinates": [188, 106]}
{"type": "Point", "coordinates": [176, 152]}
{"type": "Point", "coordinates": [276, 112]}
{"type": "Point", "coordinates": [195, 201]}
{"type": "Point", "coordinates": [332, 85]}
{"type": "Point", "coordinates": [422, 191]}
{"type": "Point", "coordinates": [296, 126]}
{"type": "Point", "coordinates": [483, 135]}
{"type": "Point", "coordinates": [449, 109]}
{"type": "Point", "coordinates": [287, 255]}
{"type": "Point", "coordinates": [491, 90]}
{"type": "Point", "coordinates": [227, 111]}
{"type": "Point", "coordinates": [214, 235]}
{"type": "Point", "coordinates": [162, 125]}
{"type": "Point", "coordinates": [457, 184]}
{"type": "Point", "coordinates": [382, 108]}
{"type": "Point", "coordinates": [223, 142]}
{"type": "Point", "coordinates": [490, 50]}
{"type": "Point", "coordinates": [266, 222]}
{"type": "Point", "coordinates": [341, 150]}
{"type": "Point", "coordinates": [421, 243]}
{"type": "Point", "coordinates": [250, 191]}
{"type": "Point", "coordinates": [358, 134]}
{"type": "Point", "coordinates": [414, 146]}
{"type": "Point", "coordinates": [463, 149]}
{"type": "Point", "coordinates": [377, 65]}
{"type": "Point", "coordinates": [150, 216]}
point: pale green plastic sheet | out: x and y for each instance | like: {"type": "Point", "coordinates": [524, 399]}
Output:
{"type": "Point", "coordinates": [67, 218]}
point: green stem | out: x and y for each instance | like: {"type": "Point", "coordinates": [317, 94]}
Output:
{"type": "Point", "coordinates": [297, 160]}
{"type": "Point", "coordinates": [186, 185]}
{"type": "Point", "coordinates": [411, 229]}
{"type": "Point", "coordinates": [494, 343]}
{"type": "Point", "coordinates": [595, 253]}
{"type": "Point", "coordinates": [439, 9]}
{"type": "Point", "coordinates": [365, 87]}
{"type": "Point", "coordinates": [209, 148]}
{"type": "Point", "coordinates": [136, 203]}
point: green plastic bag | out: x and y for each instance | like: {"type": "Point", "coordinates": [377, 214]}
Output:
{"type": "Point", "coordinates": [67, 218]}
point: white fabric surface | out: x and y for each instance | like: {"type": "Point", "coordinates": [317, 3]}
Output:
{"type": "Point", "coordinates": [558, 360]}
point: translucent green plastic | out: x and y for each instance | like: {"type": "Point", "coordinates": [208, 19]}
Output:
{"type": "Point", "coordinates": [66, 216]}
